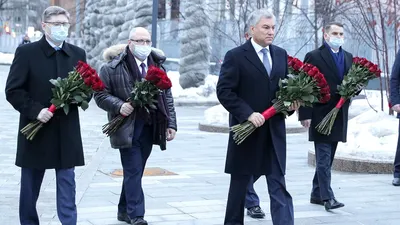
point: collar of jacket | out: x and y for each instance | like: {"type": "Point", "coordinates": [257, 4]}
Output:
{"type": "Point", "coordinates": [157, 58]}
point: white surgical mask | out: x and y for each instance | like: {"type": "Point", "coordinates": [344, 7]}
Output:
{"type": "Point", "coordinates": [58, 33]}
{"type": "Point", "coordinates": [141, 51]}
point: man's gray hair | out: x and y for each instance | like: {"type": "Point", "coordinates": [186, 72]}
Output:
{"type": "Point", "coordinates": [54, 11]}
{"type": "Point", "coordinates": [257, 15]}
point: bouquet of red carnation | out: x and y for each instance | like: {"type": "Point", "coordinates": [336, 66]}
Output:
{"type": "Point", "coordinates": [356, 79]}
{"type": "Point", "coordinates": [144, 95]}
{"type": "Point", "coordinates": [304, 84]}
{"type": "Point", "coordinates": [76, 88]}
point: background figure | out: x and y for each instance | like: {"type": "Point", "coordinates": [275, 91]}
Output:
{"type": "Point", "coordinates": [254, 66]}
{"type": "Point", "coordinates": [25, 40]}
{"type": "Point", "coordinates": [135, 138]}
{"type": "Point", "coordinates": [58, 144]}
{"type": "Point", "coordinates": [334, 63]}
{"type": "Point", "coordinates": [395, 101]}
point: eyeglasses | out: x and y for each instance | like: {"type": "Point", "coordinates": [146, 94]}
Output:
{"type": "Point", "coordinates": [67, 25]}
{"type": "Point", "coordinates": [142, 42]}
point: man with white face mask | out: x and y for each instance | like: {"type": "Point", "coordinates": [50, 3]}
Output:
{"type": "Point", "coordinates": [334, 63]}
{"type": "Point", "coordinates": [58, 144]}
{"type": "Point", "coordinates": [135, 137]}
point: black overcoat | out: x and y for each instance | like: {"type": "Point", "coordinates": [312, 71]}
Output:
{"type": "Point", "coordinates": [323, 60]}
{"type": "Point", "coordinates": [58, 144]}
{"type": "Point", "coordinates": [245, 87]}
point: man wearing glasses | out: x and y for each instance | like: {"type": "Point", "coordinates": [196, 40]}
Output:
{"type": "Point", "coordinates": [135, 137]}
{"type": "Point", "coordinates": [58, 144]}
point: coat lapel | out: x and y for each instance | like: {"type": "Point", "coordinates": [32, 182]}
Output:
{"type": "Point", "coordinates": [348, 62]}
{"type": "Point", "coordinates": [273, 57]}
{"type": "Point", "coordinates": [252, 56]}
{"type": "Point", "coordinates": [327, 57]}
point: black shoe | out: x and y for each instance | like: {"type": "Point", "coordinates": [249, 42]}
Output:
{"type": "Point", "coordinates": [316, 201]}
{"type": "Point", "coordinates": [396, 182]}
{"type": "Point", "coordinates": [255, 212]}
{"type": "Point", "coordinates": [138, 221]}
{"type": "Point", "coordinates": [332, 204]}
{"type": "Point", "coordinates": [123, 217]}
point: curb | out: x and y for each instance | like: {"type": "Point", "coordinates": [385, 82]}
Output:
{"type": "Point", "coordinates": [194, 103]}
{"type": "Point", "coordinates": [5, 64]}
{"type": "Point", "coordinates": [356, 165]}
{"type": "Point", "coordinates": [223, 129]}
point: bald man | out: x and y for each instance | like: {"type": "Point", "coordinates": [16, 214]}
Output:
{"type": "Point", "coordinates": [136, 136]}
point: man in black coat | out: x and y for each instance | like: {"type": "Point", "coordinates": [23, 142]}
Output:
{"type": "Point", "coordinates": [246, 87]}
{"type": "Point", "coordinates": [334, 63]}
{"type": "Point", "coordinates": [58, 144]}
{"type": "Point", "coordinates": [136, 136]}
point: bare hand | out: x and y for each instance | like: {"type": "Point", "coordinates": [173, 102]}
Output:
{"type": "Point", "coordinates": [256, 119]}
{"type": "Point", "coordinates": [306, 123]}
{"type": "Point", "coordinates": [294, 106]}
{"type": "Point", "coordinates": [396, 108]}
{"type": "Point", "coordinates": [170, 134]}
{"type": "Point", "coordinates": [126, 109]}
{"type": "Point", "coordinates": [44, 115]}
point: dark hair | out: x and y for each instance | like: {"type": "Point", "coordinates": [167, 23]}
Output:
{"type": "Point", "coordinates": [329, 25]}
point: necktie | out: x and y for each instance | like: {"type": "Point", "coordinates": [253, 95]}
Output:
{"type": "Point", "coordinates": [266, 63]}
{"type": "Point", "coordinates": [143, 66]}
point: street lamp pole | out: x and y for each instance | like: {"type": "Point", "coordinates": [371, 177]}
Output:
{"type": "Point", "coordinates": [154, 23]}
{"type": "Point", "coordinates": [78, 19]}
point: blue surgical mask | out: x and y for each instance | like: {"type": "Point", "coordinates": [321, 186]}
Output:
{"type": "Point", "coordinates": [141, 51]}
{"type": "Point", "coordinates": [335, 42]}
{"type": "Point", "coordinates": [58, 33]}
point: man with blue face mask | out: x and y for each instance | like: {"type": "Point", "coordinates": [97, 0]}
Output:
{"type": "Point", "coordinates": [136, 136]}
{"type": "Point", "coordinates": [58, 145]}
{"type": "Point", "coordinates": [334, 63]}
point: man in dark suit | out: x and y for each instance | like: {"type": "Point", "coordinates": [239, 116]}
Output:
{"type": "Point", "coordinates": [395, 101]}
{"type": "Point", "coordinates": [247, 85]}
{"type": "Point", "coordinates": [58, 144]}
{"type": "Point", "coordinates": [334, 63]}
{"type": "Point", "coordinates": [136, 136]}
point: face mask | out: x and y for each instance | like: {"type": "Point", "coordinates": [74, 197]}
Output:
{"type": "Point", "coordinates": [141, 51]}
{"type": "Point", "coordinates": [58, 33]}
{"type": "Point", "coordinates": [336, 42]}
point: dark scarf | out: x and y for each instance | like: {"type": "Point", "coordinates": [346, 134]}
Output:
{"type": "Point", "coordinates": [157, 118]}
{"type": "Point", "coordinates": [339, 60]}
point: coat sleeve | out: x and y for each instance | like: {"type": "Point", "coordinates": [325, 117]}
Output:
{"type": "Point", "coordinates": [227, 88]}
{"type": "Point", "coordinates": [172, 114]}
{"type": "Point", "coordinates": [395, 81]}
{"type": "Point", "coordinates": [104, 99]}
{"type": "Point", "coordinates": [16, 86]}
{"type": "Point", "coordinates": [305, 113]}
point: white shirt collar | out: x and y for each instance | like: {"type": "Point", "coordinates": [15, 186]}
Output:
{"type": "Point", "coordinates": [138, 62]}
{"type": "Point", "coordinates": [258, 47]}
{"type": "Point", "coordinates": [53, 45]}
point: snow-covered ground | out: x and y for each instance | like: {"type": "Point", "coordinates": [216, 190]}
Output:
{"type": "Point", "coordinates": [371, 135]}
{"type": "Point", "coordinates": [204, 93]}
{"type": "Point", "coordinates": [6, 58]}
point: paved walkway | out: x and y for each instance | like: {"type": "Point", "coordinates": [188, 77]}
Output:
{"type": "Point", "coordinates": [196, 195]}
